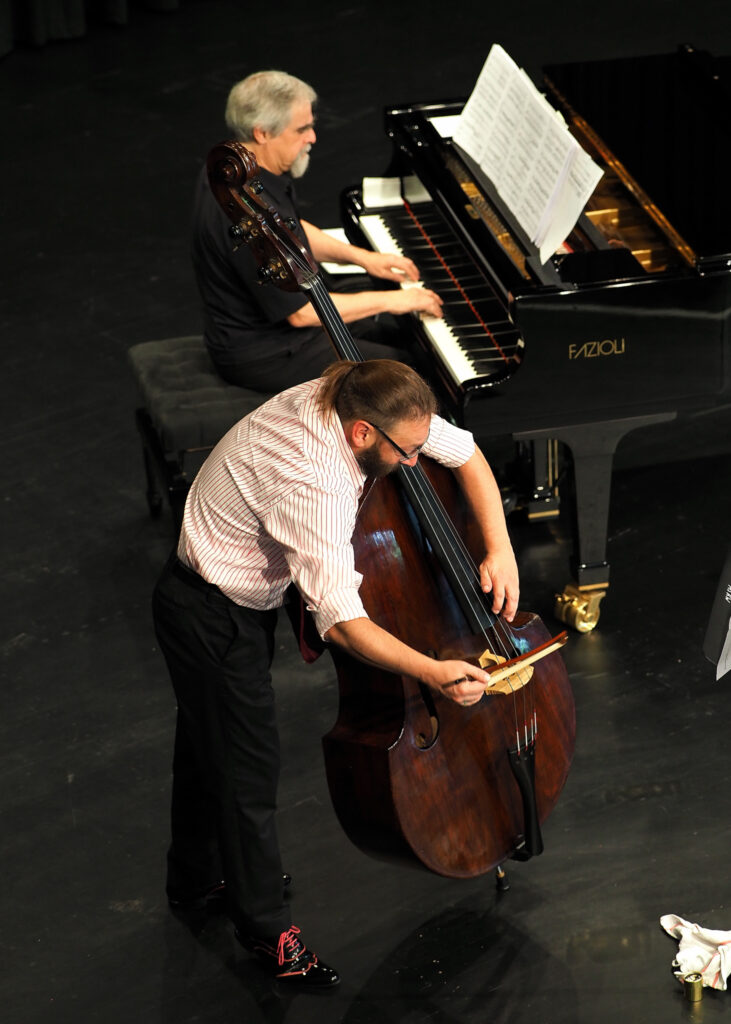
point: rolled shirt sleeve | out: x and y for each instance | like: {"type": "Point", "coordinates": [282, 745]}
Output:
{"type": "Point", "coordinates": [322, 562]}
{"type": "Point", "coordinates": [276, 502]}
{"type": "Point", "coordinates": [450, 445]}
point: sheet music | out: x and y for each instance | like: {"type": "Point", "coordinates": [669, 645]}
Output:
{"type": "Point", "coordinates": [381, 192]}
{"type": "Point", "coordinates": [340, 268]}
{"type": "Point", "coordinates": [724, 661]}
{"type": "Point", "coordinates": [524, 147]}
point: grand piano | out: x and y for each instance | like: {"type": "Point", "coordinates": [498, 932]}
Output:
{"type": "Point", "coordinates": [626, 326]}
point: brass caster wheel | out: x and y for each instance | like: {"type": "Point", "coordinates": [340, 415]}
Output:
{"type": "Point", "coordinates": [578, 608]}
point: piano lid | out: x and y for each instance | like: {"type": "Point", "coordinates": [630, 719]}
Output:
{"type": "Point", "coordinates": [667, 119]}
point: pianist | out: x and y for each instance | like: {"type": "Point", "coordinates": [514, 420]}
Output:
{"type": "Point", "coordinates": [260, 336]}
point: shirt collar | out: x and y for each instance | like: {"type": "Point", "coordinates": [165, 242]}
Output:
{"type": "Point", "coordinates": [331, 431]}
{"type": "Point", "coordinates": [279, 186]}
{"type": "Point", "coordinates": [356, 473]}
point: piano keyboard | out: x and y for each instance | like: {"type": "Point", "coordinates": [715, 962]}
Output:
{"type": "Point", "coordinates": [475, 339]}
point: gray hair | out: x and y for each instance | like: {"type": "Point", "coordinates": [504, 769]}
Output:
{"type": "Point", "coordinates": [265, 100]}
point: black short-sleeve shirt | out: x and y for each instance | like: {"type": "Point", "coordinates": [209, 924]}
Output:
{"type": "Point", "coordinates": [243, 319]}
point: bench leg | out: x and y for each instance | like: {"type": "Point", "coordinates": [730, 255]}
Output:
{"type": "Point", "coordinates": [161, 469]}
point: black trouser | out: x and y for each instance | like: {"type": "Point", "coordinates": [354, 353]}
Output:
{"type": "Point", "coordinates": [226, 760]}
{"type": "Point", "coordinates": [291, 364]}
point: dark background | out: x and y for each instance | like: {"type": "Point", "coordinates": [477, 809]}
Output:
{"type": "Point", "coordinates": [103, 138]}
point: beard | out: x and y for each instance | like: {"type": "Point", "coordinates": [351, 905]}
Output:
{"type": "Point", "coordinates": [300, 164]}
{"type": "Point", "coordinates": [373, 465]}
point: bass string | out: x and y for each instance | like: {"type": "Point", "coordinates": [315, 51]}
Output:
{"type": "Point", "coordinates": [455, 549]}
{"type": "Point", "coordinates": [432, 507]}
{"type": "Point", "coordinates": [444, 534]}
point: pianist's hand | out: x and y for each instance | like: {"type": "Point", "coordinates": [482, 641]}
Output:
{"type": "Point", "coordinates": [390, 266]}
{"type": "Point", "coordinates": [413, 299]}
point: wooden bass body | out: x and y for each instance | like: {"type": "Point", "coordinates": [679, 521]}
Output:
{"type": "Point", "coordinates": [413, 776]}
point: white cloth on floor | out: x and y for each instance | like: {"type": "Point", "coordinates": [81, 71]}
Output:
{"type": "Point", "coordinates": [701, 949]}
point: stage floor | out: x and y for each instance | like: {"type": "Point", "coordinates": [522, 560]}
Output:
{"type": "Point", "coordinates": [104, 137]}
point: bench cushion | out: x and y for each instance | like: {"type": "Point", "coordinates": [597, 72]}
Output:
{"type": "Point", "coordinates": [189, 404]}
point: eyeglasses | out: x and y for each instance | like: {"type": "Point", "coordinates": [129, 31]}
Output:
{"type": "Point", "coordinates": [405, 457]}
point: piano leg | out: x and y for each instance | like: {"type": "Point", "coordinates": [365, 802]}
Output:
{"type": "Point", "coordinates": [592, 447]}
{"type": "Point", "coordinates": [544, 500]}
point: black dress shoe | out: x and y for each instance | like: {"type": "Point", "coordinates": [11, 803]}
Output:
{"type": "Point", "coordinates": [290, 961]}
{"type": "Point", "coordinates": [211, 898]}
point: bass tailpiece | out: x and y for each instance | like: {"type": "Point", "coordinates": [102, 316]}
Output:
{"type": "Point", "coordinates": [522, 762]}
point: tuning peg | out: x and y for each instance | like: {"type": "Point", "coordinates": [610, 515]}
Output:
{"type": "Point", "coordinates": [256, 186]}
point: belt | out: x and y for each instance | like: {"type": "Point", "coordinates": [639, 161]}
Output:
{"type": "Point", "coordinates": [191, 577]}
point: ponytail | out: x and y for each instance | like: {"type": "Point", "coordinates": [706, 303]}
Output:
{"type": "Point", "coordinates": [379, 390]}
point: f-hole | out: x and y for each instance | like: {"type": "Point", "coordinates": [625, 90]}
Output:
{"type": "Point", "coordinates": [424, 741]}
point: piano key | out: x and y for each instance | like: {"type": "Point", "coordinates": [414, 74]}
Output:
{"type": "Point", "coordinates": [466, 337]}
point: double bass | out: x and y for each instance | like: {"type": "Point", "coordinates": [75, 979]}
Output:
{"type": "Point", "coordinates": [413, 776]}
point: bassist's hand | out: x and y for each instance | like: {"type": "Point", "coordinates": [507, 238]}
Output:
{"type": "Point", "coordinates": [459, 681]}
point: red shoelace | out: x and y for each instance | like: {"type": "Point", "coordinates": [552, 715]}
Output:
{"type": "Point", "coordinates": [289, 946]}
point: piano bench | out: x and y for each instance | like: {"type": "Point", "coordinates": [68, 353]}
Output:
{"type": "Point", "coordinates": [184, 409]}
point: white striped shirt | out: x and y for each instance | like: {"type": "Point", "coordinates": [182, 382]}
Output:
{"type": "Point", "coordinates": [276, 501]}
